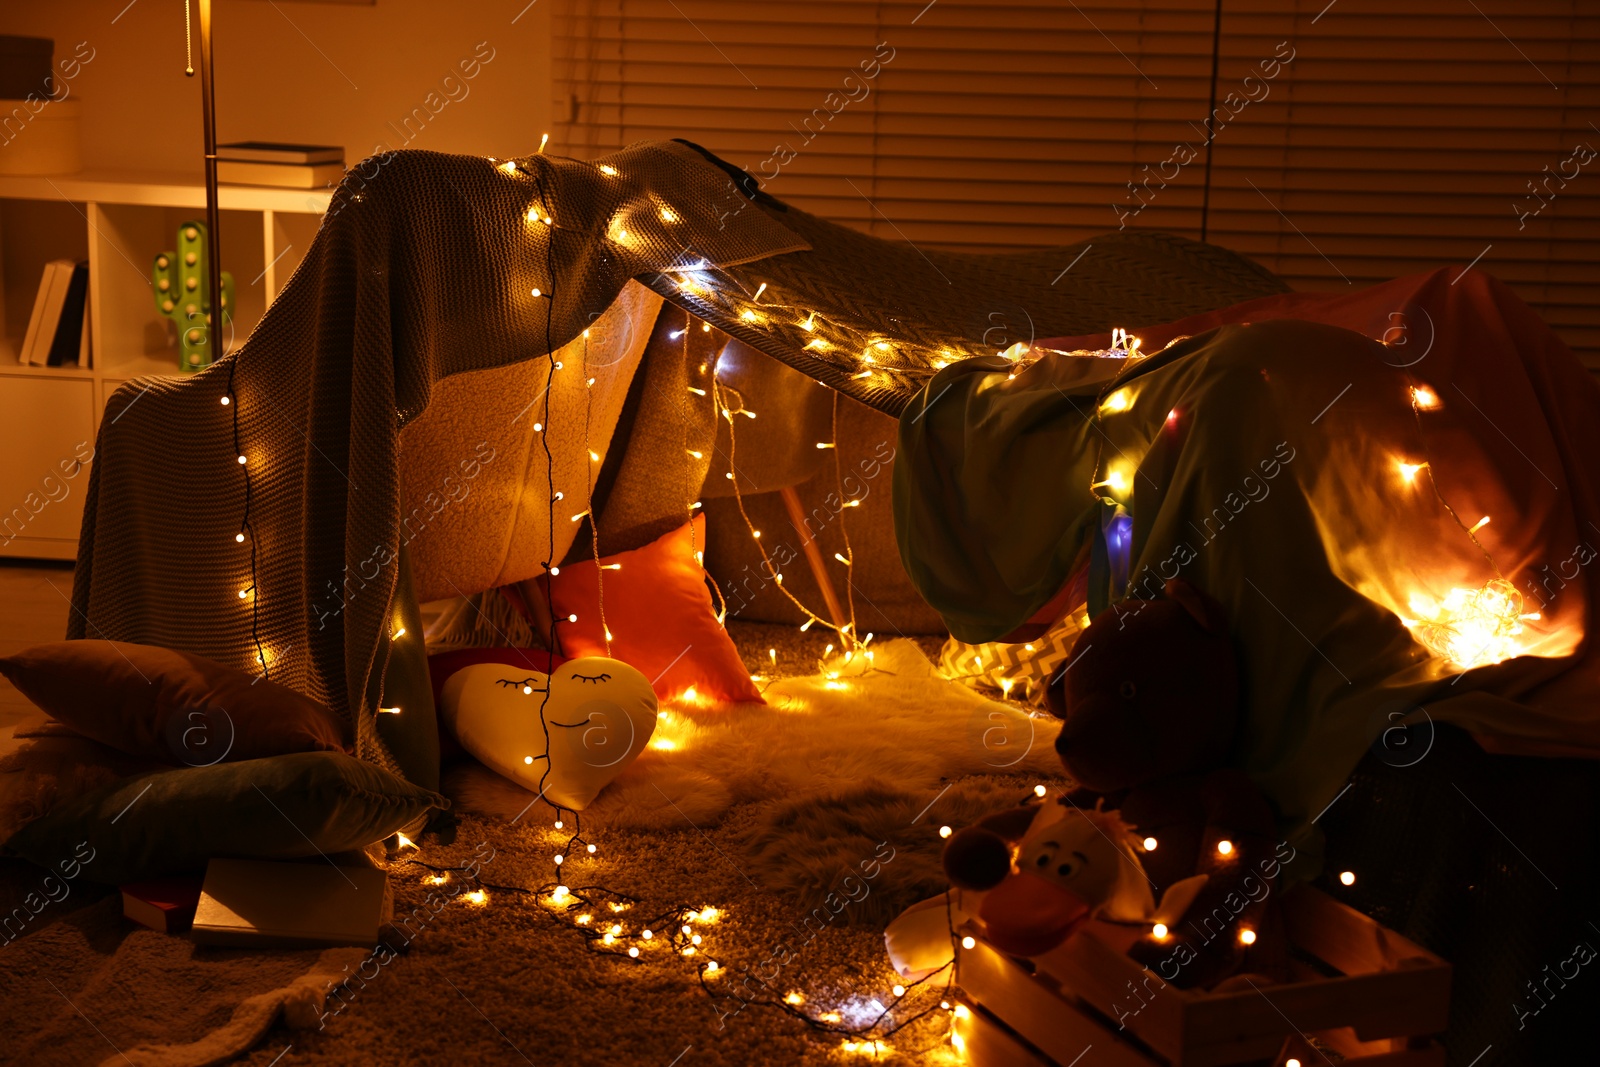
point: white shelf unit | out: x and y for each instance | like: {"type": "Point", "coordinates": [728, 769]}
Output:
{"type": "Point", "coordinates": [49, 416]}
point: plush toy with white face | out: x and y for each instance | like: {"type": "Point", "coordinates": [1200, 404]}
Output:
{"type": "Point", "coordinates": [598, 718]}
{"type": "Point", "coordinates": [1031, 877]}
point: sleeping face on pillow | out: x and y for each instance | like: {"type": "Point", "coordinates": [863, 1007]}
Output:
{"type": "Point", "coordinates": [598, 717]}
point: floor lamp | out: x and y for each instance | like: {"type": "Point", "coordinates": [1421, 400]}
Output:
{"type": "Point", "coordinates": [208, 113]}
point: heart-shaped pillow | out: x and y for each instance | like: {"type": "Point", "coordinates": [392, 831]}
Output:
{"type": "Point", "coordinates": [600, 715]}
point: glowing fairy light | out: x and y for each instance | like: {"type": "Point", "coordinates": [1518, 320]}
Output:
{"type": "Point", "coordinates": [608, 170]}
{"type": "Point", "coordinates": [1121, 400]}
{"type": "Point", "coordinates": [1480, 524]}
{"type": "Point", "coordinates": [1116, 480]}
{"type": "Point", "coordinates": [1470, 627]}
{"type": "Point", "coordinates": [1247, 936]}
{"type": "Point", "coordinates": [1408, 471]}
{"type": "Point", "coordinates": [1159, 931]}
{"type": "Point", "coordinates": [1425, 399]}
{"type": "Point", "coordinates": [1150, 844]}
{"type": "Point", "coordinates": [1224, 847]}
{"type": "Point", "coordinates": [945, 831]}
{"type": "Point", "coordinates": [1347, 878]}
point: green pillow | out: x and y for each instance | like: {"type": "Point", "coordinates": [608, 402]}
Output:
{"type": "Point", "coordinates": [171, 822]}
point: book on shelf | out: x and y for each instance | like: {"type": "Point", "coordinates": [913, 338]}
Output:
{"type": "Point", "coordinates": [284, 175]}
{"type": "Point", "coordinates": [165, 905]}
{"type": "Point", "coordinates": [286, 904]}
{"type": "Point", "coordinates": [66, 346]}
{"type": "Point", "coordinates": [273, 152]}
{"type": "Point", "coordinates": [57, 328]}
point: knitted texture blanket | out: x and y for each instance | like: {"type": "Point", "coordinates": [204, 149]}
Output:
{"type": "Point", "coordinates": [426, 266]}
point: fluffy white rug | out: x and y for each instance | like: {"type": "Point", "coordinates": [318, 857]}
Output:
{"type": "Point", "coordinates": [885, 751]}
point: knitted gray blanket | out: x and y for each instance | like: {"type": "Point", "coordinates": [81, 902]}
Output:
{"type": "Point", "coordinates": [426, 266]}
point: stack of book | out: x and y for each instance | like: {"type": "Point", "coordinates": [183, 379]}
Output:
{"type": "Point", "coordinates": [58, 329]}
{"type": "Point", "coordinates": [292, 166]}
{"type": "Point", "coordinates": [289, 904]}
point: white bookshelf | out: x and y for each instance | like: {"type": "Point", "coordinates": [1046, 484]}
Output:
{"type": "Point", "coordinates": [49, 416]}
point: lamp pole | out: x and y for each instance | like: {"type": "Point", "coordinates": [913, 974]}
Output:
{"type": "Point", "coordinates": [208, 111]}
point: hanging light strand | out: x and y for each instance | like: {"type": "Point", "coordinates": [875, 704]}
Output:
{"type": "Point", "coordinates": [549, 306]}
{"type": "Point", "coordinates": [594, 526]}
{"type": "Point", "coordinates": [844, 530]}
{"type": "Point", "coordinates": [755, 535]}
{"type": "Point", "coordinates": [1415, 394]}
{"type": "Point", "coordinates": [246, 529]}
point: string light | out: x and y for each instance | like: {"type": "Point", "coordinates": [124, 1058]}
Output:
{"type": "Point", "coordinates": [1408, 471]}
{"type": "Point", "coordinates": [1470, 627]}
{"type": "Point", "coordinates": [1121, 400]}
{"type": "Point", "coordinates": [1159, 931]}
{"type": "Point", "coordinates": [1348, 877]}
{"type": "Point", "coordinates": [1150, 844]}
{"type": "Point", "coordinates": [1247, 936]}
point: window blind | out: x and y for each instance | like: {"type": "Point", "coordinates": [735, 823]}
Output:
{"type": "Point", "coordinates": [1410, 134]}
{"type": "Point", "coordinates": [1353, 141]}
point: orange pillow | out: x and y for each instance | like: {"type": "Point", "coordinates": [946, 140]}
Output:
{"type": "Point", "coordinates": [660, 616]}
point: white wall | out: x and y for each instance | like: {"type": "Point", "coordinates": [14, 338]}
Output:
{"type": "Point", "coordinates": [320, 73]}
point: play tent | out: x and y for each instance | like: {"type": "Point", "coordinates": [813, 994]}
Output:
{"type": "Point", "coordinates": [456, 347]}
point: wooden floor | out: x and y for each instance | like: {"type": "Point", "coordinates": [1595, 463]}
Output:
{"type": "Point", "coordinates": [33, 609]}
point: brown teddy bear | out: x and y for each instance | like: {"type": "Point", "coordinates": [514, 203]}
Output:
{"type": "Point", "coordinates": [1150, 707]}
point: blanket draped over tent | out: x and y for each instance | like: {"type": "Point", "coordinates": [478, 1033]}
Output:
{"type": "Point", "coordinates": [1288, 469]}
{"type": "Point", "coordinates": [426, 266]}
{"type": "Point", "coordinates": [388, 392]}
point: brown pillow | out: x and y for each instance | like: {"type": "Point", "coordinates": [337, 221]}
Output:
{"type": "Point", "coordinates": [159, 703]}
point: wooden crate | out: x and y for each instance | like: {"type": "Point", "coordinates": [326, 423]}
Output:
{"type": "Point", "coordinates": [1364, 990]}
